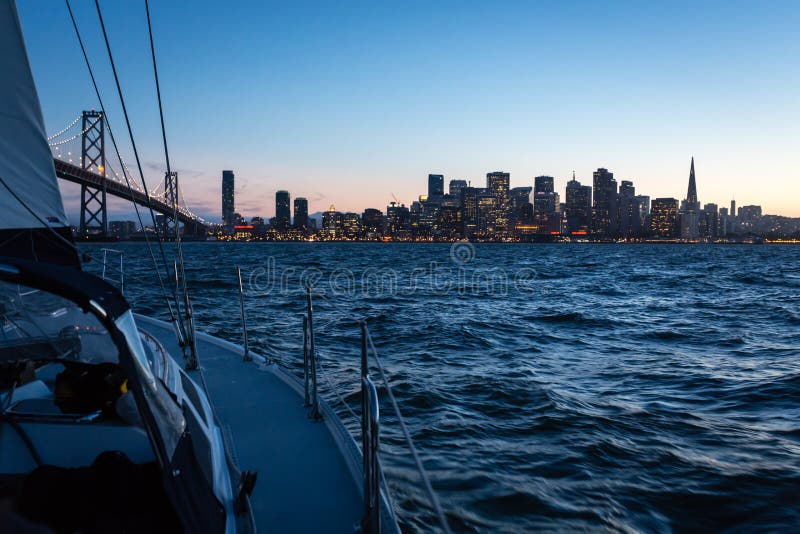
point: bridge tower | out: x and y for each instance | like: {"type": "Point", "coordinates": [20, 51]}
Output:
{"type": "Point", "coordinates": [171, 224]}
{"type": "Point", "coordinates": [94, 213]}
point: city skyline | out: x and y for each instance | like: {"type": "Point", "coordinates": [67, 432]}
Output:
{"type": "Point", "coordinates": [606, 211]}
{"type": "Point", "coordinates": [349, 106]}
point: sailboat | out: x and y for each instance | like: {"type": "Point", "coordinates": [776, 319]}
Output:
{"type": "Point", "coordinates": [103, 430]}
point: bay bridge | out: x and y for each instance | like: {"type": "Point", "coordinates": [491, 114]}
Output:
{"type": "Point", "coordinates": [79, 156]}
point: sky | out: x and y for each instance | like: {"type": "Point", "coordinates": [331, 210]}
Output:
{"type": "Point", "coordinates": [352, 104]}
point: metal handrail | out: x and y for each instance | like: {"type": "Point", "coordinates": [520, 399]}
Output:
{"type": "Point", "coordinates": [306, 399]}
{"type": "Point", "coordinates": [310, 358]}
{"type": "Point", "coordinates": [370, 444]}
{"type": "Point", "coordinates": [121, 279]}
{"type": "Point", "coordinates": [246, 356]}
{"type": "Point", "coordinates": [366, 340]}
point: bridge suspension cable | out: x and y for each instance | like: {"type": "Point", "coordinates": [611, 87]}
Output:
{"type": "Point", "coordinates": [65, 130]}
{"type": "Point", "coordinates": [77, 135]}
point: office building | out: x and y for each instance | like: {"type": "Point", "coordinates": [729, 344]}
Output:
{"type": "Point", "coordinates": [690, 210]}
{"type": "Point", "coordinates": [301, 214]}
{"type": "Point", "coordinates": [351, 226]}
{"type": "Point", "coordinates": [543, 184]}
{"type": "Point", "coordinates": [469, 208]}
{"type": "Point", "coordinates": [122, 229]}
{"type": "Point", "coordinates": [227, 199]}
{"type": "Point", "coordinates": [456, 186]}
{"type": "Point", "coordinates": [578, 207]}
{"type": "Point", "coordinates": [604, 201]}
{"type": "Point", "coordinates": [398, 220]}
{"type": "Point", "coordinates": [282, 220]}
{"type": "Point", "coordinates": [664, 222]}
{"type": "Point", "coordinates": [372, 223]}
{"type": "Point", "coordinates": [332, 224]}
{"type": "Point", "coordinates": [497, 185]}
{"type": "Point", "coordinates": [435, 185]}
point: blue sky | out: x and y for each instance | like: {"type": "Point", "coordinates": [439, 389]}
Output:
{"type": "Point", "coordinates": [350, 103]}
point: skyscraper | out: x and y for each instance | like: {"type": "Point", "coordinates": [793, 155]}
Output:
{"type": "Point", "coordinates": [456, 186]}
{"type": "Point", "coordinates": [626, 215]}
{"type": "Point", "coordinates": [710, 222]}
{"type": "Point", "coordinates": [301, 213]}
{"type": "Point", "coordinates": [690, 209]}
{"type": "Point", "coordinates": [227, 198]}
{"type": "Point", "coordinates": [521, 207]}
{"type": "Point", "coordinates": [282, 211]}
{"type": "Point", "coordinates": [469, 206]}
{"type": "Point", "coordinates": [543, 184]}
{"type": "Point", "coordinates": [579, 207]}
{"type": "Point", "coordinates": [435, 185]}
{"type": "Point", "coordinates": [497, 185]}
{"type": "Point", "coordinates": [664, 218]}
{"type": "Point", "coordinates": [372, 222]}
{"type": "Point", "coordinates": [691, 194]}
{"type": "Point", "coordinates": [545, 204]}
{"type": "Point", "coordinates": [605, 190]}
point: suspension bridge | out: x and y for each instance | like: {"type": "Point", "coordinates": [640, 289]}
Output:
{"type": "Point", "coordinates": [79, 157]}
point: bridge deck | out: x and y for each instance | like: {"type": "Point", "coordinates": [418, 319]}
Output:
{"type": "Point", "coordinates": [306, 470]}
{"type": "Point", "coordinates": [75, 174]}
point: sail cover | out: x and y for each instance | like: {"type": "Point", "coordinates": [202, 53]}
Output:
{"type": "Point", "coordinates": [29, 197]}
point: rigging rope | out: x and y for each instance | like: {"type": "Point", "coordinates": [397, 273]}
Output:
{"type": "Point", "coordinates": [179, 249]}
{"type": "Point", "coordinates": [122, 163]}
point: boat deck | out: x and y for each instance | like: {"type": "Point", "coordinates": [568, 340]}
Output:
{"type": "Point", "coordinates": [307, 470]}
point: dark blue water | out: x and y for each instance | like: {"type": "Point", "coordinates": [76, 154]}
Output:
{"type": "Point", "coordinates": [548, 387]}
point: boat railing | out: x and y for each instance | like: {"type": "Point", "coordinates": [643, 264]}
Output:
{"type": "Point", "coordinates": [246, 356]}
{"type": "Point", "coordinates": [370, 423]}
{"type": "Point", "coordinates": [370, 443]}
{"type": "Point", "coordinates": [119, 277]}
{"type": "Point", "coordinates": [371, 440]}
{"type": "Point", "coordinates": [310, 360]}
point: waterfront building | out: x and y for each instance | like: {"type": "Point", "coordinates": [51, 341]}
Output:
{"type": "Point", "coordinates": [351, 226]}
{"type": "Point", "coordinates": [747, 219]}
{"type": "Point", "coordinates": [332, 224]}
{"type": "Point", "coordinates": [690, 210]}
{"type": "Point", "coordinates": [469, 207]}
{"type": "Point", "coordinates": [398, 219]}
{"type": "Point", "coordinates": [644, 207]}
{"type": "Point", "coordinates": [709, 224]}
{"type": "Point", "coordinates": [282, 211]}
{"type": "Point", "coordinates": [578, 207]}
{"type": "Point", "coordinates": [521, 207]}
{"type": "Point", "coordinates": [372, 223]}
{"type": "Point", "coordinates": [628, 222]}
{"type": "Point", "coordinates": [427, 217]}
{"type": "Point", "coordinates": [227, 199]}
{"type": "Point", "coordinates": [604, 199]}
{"type": "Point", "coordinates": [301, 214]}
{"type": "Point", "coordinates": [724, 222]}
{"type": "Point", "coordinates": [122, 229]}
{"type": "Point", "coordinates": [497, 185]}
{"type": "Point", "coordinates": [451, 224]}
{"type": "Point", "coordinates": [664, 218]}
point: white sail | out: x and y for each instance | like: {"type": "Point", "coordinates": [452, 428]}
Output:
{"type": "Point", "coordinates": [26, 165]}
